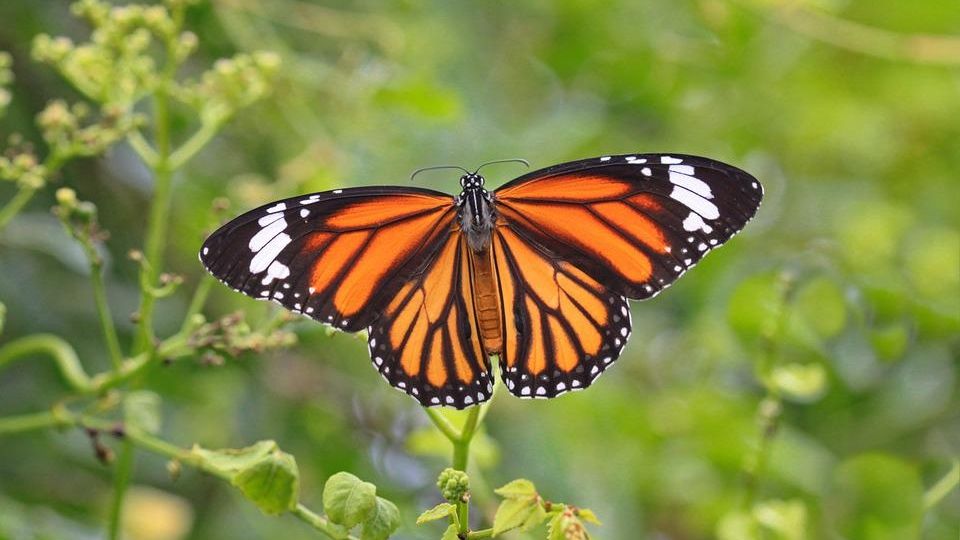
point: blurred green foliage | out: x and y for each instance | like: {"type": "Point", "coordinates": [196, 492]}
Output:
{"type": "Point", "coordinates": [800, 383]}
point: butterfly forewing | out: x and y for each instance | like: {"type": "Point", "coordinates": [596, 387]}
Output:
{"type": "Point", "coordinates": [336, 256]}
{"type": "Point", "coordinates": [633, 222]}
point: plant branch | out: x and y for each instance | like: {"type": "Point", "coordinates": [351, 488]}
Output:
{"type": "Point", "coordinates": [16, 204]}
{"type": "Point", "coordinates": [58, 349]}
{"type": "Point", "coordinates": [943, 487]}
{"type": "Point", "coordinates": [317, 522]}
{"type": "Point", "coordinates": [103, 308]}
{"type": "Point", "coordinates": [121, 481]}
{"type": "Point", "coordinates": [194, 144]}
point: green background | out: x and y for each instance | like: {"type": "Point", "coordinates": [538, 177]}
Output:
{"type": "Point", "coordinates": [852, 125]}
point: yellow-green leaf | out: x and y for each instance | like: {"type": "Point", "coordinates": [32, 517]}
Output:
{"type": "Point", "coordinates": [519, 488]}
{"type": "Point", "coordinates": [347, 500]}
{"type": "Point", "coordinates": [450, 533]}
{"type": "Point", "coordinates": [513, 513]}
{"type": "Point", "coordinates": [439, 511]}
{"type": "Point", "coordinates": [273, 483]}
{"type": "Point", "coordinates": [381, 522]}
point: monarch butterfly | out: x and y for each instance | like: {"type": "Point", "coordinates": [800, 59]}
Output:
{"type": "Point", "coordinates": [538, 271]}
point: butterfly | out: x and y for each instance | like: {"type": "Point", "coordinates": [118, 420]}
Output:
{"type": "Point", "coordinates": [538, 272]}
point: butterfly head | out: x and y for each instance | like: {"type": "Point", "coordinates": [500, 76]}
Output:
{"type": "Point", "coordinates": [471, 181]}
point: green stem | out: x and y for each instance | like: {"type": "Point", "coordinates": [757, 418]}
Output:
{"type": "Point", "coordinates": [482, 533]}
{"type": "Point", "coordinates": [15, 205]}
{"type": "Point", "coordinates": [461, 446]}
{"type": "Point", "coordinates": [103, 309]}
{"type": "Point", "coordinates": [442, 424]}
{"type": "Point", "coordinates": [30, 422]}
{"type": "Point", "coordinates": [197, 302]}
{"type": "Point", "coordinates": [194, 144]}
{"type": "Point", "coordinates": [59, 350]}
{"type": "Point", "coordinates": [121, 480]}
{"type": "Point", "coordinates": [317, 522]}
{"type": "Point", "coordinates": [943, 487]}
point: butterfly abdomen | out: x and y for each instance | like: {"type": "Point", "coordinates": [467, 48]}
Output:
{"type": "Point", "coordinates": [486, 300]}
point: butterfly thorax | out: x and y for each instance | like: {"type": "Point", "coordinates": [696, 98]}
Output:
{"type": "Point", "coordinates": [477, 218]}
{"type": "Point", "coordinates": [476, 212]}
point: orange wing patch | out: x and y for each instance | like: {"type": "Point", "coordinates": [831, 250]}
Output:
{"type": "Point", "coordinates": [566, 188]}
{"type": "Point", "coordinates": [426, 342]}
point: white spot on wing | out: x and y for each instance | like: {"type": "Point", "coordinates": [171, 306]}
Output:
{"type": "Point", "coordinates": [669, 160]}
{"type": "Point", "coordinates": [304, 212]}
{"type": "Point", "coordinates": [265, 256]}
{"type": "Point", "coordinates": [646, 171]}
{"type": "Point", "coordinates": [605, 158]}
{"type": "Point", "coordinates": [692, 183]}
{"type": "Point", "coordinates": [694, 222]}
{"type": "Point", "coordinates": [695, 202]}
{"type": "Point", "coordinates": [265, 234]}
{"type": "Point", "coordinates": [277, 208]}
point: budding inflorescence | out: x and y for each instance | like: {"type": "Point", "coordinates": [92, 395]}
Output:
{"type": "Point", "coordinates": [454, 485]}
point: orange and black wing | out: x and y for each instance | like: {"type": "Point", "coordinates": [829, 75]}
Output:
{"type": "Point", "coordinates": [338, 256]}
{"type": "Point", "coordinates": [426, 341]}
{"type": "Point", "coordinates": [617, 227]}
{"type": "Point", "coordinates": [563, 327]}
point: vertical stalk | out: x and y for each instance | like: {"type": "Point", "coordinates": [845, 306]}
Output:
{"type": "Point", "coordinates": [461, 445]}
{"type": "Point", "coordinates": [103, 309]}
{"type": "Point", "coordinates": [159, 215]}
{"type": "Point", "coordinates": [121, 480]}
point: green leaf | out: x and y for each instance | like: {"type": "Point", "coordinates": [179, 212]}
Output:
{"type": "Point", "coordinates": [556, 526]}
{"type": "Point", "coordinates": [347, 500]}
{"type": "Point", "coordinates": [381, 522]}
{"type": "Point", "coordinates": [800, 382]}
{"type": "Point", "coordinates": [876, 496]}
{"type": "Point", "coordinates": [513, 513]}
{"type": "Point", "coordinates": [439, 511]}
{"type": "Point", "coordinates": [587, 515]}
{"type": "Point", "coordinates": [819, 309]}
{"type": "Point", "coordinates": [450, 533]}
{"type": "Point", "coordinates": [233, 460]}
{"type": "Point", "coordinates": [273, 483]}
{"type": "Point", "coordinates": [535, 518]}
{"type": "Point", "coordinates": [519, 488]}
{"type": "Point", "coordinates": [788, 519]}
{"type": "Point", "coordinates": [141, 410]}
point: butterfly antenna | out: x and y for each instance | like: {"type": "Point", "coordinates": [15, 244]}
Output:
{"type": "Point", "coordinates": [418, 171]}
{"type": "Point", "coordinates": [511, 160]}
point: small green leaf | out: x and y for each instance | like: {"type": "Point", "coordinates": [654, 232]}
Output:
{"type": "Point", "coordinates": [800, 382]}
{"type": "Point", "coordinates": [381, 522]}
{"type": "Point", "coordinates": [587, 515]}
{"type": "Point", "coordinates": [141, 410]}
{"type": "Point", "coordinates": [513, 513]}
{"type": "Point", "coordinates": [555, 527]}
{"type": "Point", "coordinates": [439, 511]}
{"type": "Point", "coordinates": [787, 519]}
{"type": "Point", "coordinates": [347, 500]}
{"type": "Point", "coordinates": [233, 460]}
{"type": "Point", "coordinates": [273, 483]}
{"type": "Point", "coordinates": [450, 533]}
{"type": "Point", "coordinates": [535, 518]}
{"type": "Point", "coordinates": [519, 488]}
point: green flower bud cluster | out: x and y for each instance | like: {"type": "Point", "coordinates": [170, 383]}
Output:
{"type": "Point", "coordinates": [233, 336]}
{"type": "Point", "coordinates": [63, 128]}
{"type": "Point", "coordinates": [453, 485]}
{"type": "Point", "coordinates": [22, 166]}
{"type": "Point", "coordinates": [76, 214]}
{"type": "Point", "coordinates": [232, 84]}
{"type": "Point", "coordinates": [6, 77]}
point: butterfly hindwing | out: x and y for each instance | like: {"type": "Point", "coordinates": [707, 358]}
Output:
{"type": "Point", "coordinates": [426, 341]}
{"type": "Point", "coordinates": [633, 222]}
{"type": "Point", "coordinates": [563, 328]}
{"type": "Point", "coordinates": [336, 256]}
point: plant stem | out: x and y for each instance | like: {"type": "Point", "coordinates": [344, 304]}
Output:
{"type": "Point", "coordinates": [482, 533]}
{"type": "Point", "coordinates": [442, 424]}
{"type": "Point", "coordinates": [62, 353]}
{"type": "Point", "coordinates": [317, 522]}
{"type": "Point", "coordinates": [194, 144]}
{"type": "Point", "coordinates": [461, 446]}
{"type": "Point", "coordinates": [15, 205]}
{"type": "Point", "coordinates": [943, 487]}
{"type": "Point", "coordinates": [121, 480]}
{"type": "Point", "coordinates": [103, 308]}
{"type": "Point", "coordinates": [30, 422]}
